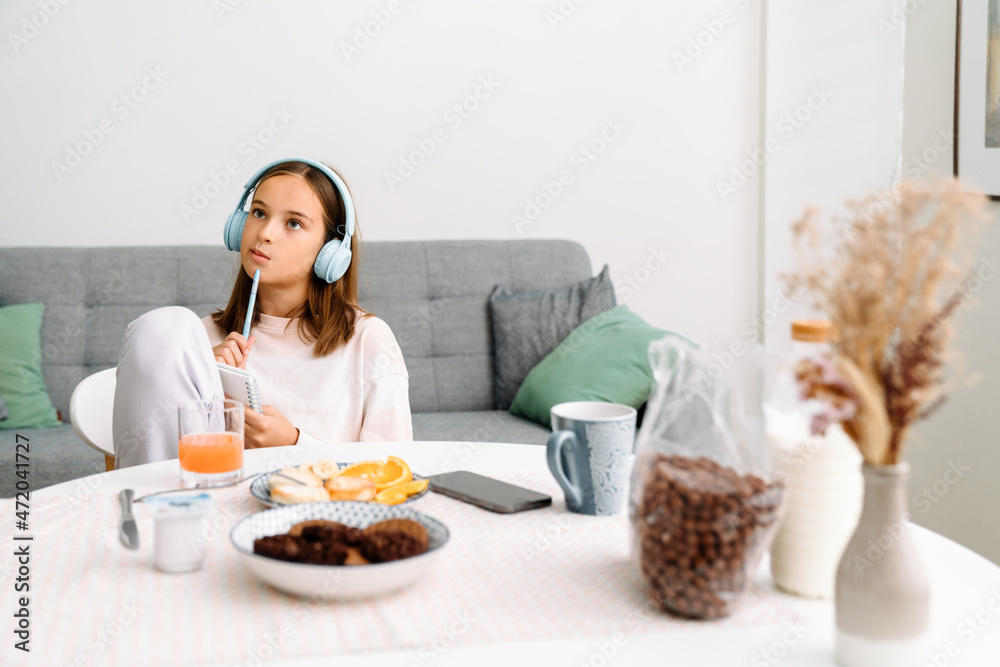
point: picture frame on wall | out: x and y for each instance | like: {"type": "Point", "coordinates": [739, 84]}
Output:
{"type": "Point", "coordinates": [977, 95]}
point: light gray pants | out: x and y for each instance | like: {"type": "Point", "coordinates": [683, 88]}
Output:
{"type": "Point", "coordinates": [165, 359]}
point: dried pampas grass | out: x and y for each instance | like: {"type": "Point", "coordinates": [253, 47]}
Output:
{"type": "Point", "coordinates": [888, 285]}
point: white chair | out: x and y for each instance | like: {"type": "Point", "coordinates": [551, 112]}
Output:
{"type": "Point", "coordinates": [90, 411]}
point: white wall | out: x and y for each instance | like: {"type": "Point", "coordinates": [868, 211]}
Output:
{"type": "Point", "coordinates": [965, 431]}
{"type": "Point", "coordinates": [833, 132]}
{"type": "Point", "coordinates": [559, 82]}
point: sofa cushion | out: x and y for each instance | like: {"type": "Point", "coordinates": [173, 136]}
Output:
{"type": "Point", "coordinates": [478, 426]}
{"type": "Point", "coordinates": [604, 359]}
{"type": "Point", "coordinates": [527, 326]}
{"type": "Point", "coordinates": [21, 382]}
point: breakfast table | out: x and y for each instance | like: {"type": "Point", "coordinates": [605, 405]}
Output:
{"type": "Point", "coordinates": [545, 586]}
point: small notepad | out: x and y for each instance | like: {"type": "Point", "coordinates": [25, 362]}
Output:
{"type": "Point", "coordinates": [240, 386]}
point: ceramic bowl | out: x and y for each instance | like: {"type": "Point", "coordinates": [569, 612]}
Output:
{"type": "Point", "coordinates": [335, 582]}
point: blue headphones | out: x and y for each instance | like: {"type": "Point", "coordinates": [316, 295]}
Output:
{"type": "Point", "coordinates": [334, 257]}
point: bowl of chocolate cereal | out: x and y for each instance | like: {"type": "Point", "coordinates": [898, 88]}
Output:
{"type": "Point", "coordinates": [335, 551]}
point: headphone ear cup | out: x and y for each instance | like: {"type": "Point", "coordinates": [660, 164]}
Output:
{"type": "Point", "coordinates": [232, 233]}
{"type": "Point", "coordinates": [341, 261]}
{"type": "Point", "coordinates": [332, 261]}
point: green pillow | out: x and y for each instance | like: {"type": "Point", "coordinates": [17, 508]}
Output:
{"type": "Point", "coordinates": [21, 383]}
{"type": "Point", "coordinates": [604, 359]}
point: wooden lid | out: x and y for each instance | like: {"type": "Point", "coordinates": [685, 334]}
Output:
{"type": "Point", "coordinates": [812, 331]}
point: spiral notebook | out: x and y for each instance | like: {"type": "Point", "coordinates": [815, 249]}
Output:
{"type": "Point", "coordinates": [240, 386]}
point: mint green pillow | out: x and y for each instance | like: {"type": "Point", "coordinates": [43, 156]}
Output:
{"type": "Point", "coordinates": [21, 383]}
{"type": "Point", "coordinates": [603, 359]}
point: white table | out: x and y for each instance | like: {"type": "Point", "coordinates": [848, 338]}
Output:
{"type": "Point", "coordinates": [963, 584]}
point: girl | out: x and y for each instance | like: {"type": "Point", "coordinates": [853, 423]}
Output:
{"type": "Point", "coordinates": [328, 371]}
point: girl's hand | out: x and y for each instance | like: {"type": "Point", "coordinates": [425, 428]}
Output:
{"type": "Point", "coordinates": [234, 350]}
{"type": "Point", "coordinates": [270, 429]}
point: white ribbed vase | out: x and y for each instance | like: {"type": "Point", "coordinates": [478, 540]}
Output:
{"type": "Point", "coordinates": [824, 489]}
{"type": "Point", "coordinates": [882, 594]}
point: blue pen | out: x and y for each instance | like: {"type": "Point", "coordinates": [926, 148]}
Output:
{"type": "Point", "coordinates": [253, 297]}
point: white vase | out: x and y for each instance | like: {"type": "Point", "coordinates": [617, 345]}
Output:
{"type": "Point", "coordinates": [823, 496]}
{"type": "Point", "coordinates": [882, 594]}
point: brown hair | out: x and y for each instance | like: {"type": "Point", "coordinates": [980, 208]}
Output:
{"type": "Point", "coordinates": [328, 314]}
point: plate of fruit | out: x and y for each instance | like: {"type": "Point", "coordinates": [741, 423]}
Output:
{"type": "Point", "coordinates": [389, 482]}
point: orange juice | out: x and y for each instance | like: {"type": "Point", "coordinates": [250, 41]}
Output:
{"type": "Point", "coordinates": [211, 452]}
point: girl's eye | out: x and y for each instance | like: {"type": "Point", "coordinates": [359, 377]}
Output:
{"type": "Point", "coordinates": [298, 225]}
{"type": "Point", "coordinates": [257, 213]}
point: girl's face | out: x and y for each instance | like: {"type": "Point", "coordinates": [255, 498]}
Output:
{"type": "Point", "coordinates": [283, 233]}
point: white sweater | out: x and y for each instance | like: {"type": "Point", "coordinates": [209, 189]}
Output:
{"type": "Point", "coordinates": [359, 392]}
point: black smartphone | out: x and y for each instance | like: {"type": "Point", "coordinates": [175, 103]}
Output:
{"type": "Point", "coordinates": [486, 492]}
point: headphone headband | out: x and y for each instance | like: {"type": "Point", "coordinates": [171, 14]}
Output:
{"type": "Point", "coordinates": [338, 183]}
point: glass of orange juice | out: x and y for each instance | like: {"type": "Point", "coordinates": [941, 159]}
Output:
{"type": "Point", "coordinates": [210, 445]}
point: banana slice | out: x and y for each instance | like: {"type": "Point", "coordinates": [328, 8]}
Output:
{"type": "Point", "coordinates": [324, 468]}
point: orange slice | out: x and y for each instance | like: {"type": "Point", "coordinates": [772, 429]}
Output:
{"type": "Point", "coordinates": [413, 486]}
{"type": "Point", "coordinates": [368, 469]}
{"type": "Point", "coordinates": [391, 496]}
{"type": "Point", "coordinates": [394, 472]}
{"type": "Point", "coordinates": [399, 492]}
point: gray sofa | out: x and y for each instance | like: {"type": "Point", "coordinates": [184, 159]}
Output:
{"type": "Point", "coordinates": [433, 294]}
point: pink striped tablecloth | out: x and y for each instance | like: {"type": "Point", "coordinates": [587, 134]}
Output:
{"type": "Point", "coordinates": [535, 575]}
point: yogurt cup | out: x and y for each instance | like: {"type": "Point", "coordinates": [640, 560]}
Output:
{"type": "Point", "coordinates": [178, 530]}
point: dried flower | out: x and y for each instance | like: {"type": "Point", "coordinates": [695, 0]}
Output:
{"type": "Point", "coordinates": [818, 378]}
{"type": "Point", "coordinates": [888, 286]}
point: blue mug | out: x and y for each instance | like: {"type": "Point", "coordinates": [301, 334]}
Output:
{"type": "Point", "coordinates": [590, 453]}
